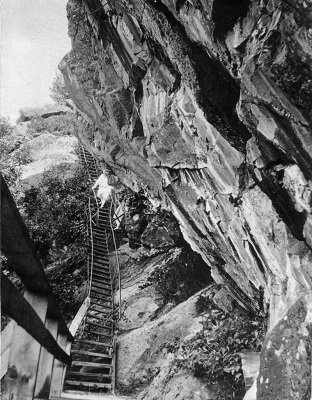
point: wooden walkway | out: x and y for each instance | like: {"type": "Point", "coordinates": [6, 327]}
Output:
{"type": "Point", "coordinates": [93, 351]}
{"type": "Point", "coordinates": [46, 359]}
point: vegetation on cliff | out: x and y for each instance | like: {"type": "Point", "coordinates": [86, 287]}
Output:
{"type": "Point", "coordinates": [53, 211]}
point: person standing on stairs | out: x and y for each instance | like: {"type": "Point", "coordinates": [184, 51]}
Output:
{"type": "Point", "coordinates": [104, 189]}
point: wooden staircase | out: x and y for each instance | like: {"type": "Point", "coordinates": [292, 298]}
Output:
{"type": "Point", "coordinates": [93, 351]}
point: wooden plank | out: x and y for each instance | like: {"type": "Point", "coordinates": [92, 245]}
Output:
{"type": "Point", "coordinates": [19, 382]}
{"type": "Point", "coordinates": [98, 311]}
{"type": "Point", "coordinates": [16, 245]}
{"type": "Point", "coordinates": [85, 341]}
{"type": "Point", "coordinates": [44, 373]}
{"type": "Point", "coordinates": [79, 316]}
{"type": "Point", "coordinates": [6, 337]}
{"type": "Point", "coordinates": [94, 385]}
{"type": "Point", "coordinates": [15, 305]}
{"type": "Point", "coordinates": [90, 364]}
{"type": "Point", "coordinates": [100, 291]}
{"type": "Point", "coordinates": [96, 324]}
{"type": "Point", "coordinates": [88, 374]}
{"type": "Point", "coordinates": [99, 333]}
{"type": "Point", "coordinates": [91, 353]}
{"type": "Point", "coordinates": [58, 370]}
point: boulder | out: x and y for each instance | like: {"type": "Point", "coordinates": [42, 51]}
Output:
{"type": "Point", "coordinates": [28, 113]}
{"type": "Point", "coordinates": [162, 232]}
{"type": "Point", "coordinates": [143, 356]}
{"type": "Point", "coordinates": [49, 151]}
{"type": "Point", "coordinates": [285, 362]}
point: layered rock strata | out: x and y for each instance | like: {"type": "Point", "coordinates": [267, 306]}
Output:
{"type": "Point", "coordinates": [206, 107]}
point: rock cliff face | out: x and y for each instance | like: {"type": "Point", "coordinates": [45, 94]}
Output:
{"type": "Point", "coordinates": [206, 107]}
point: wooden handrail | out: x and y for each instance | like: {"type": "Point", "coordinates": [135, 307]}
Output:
{"type": "Point", "coordinates": [17, 246]}
{"type": "Point", "coordinates": [15, 306]}
{"type": "Point", "coordinates": [74, 325]}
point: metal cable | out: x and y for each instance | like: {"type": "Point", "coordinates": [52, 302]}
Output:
{"type": "Point", "coordinates": [117, 257]}
{"type": "Point", "coordinates": [92, 248]}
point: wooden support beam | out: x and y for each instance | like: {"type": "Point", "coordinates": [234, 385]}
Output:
{"type": "Point", "coordinates": [19, 382]}
{"type": "Point", "coordinates": [15, 305]}
{"type": "Point", "coordinates": [6, 337]}
{"type": "Point", "coordinates": [58, 370]}
{"type": "Point", "coordinates": [44, 373]}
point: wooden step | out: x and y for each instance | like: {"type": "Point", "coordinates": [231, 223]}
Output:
{"type": "Point", "coordinates": [108, 323]}
{"type": "Point", "coordinates": [101, 262]}
{"type": "Point", "coordinates": [99, 279]}
{"type": "Point", "coordinates": [95, 302]}
{"type": "Point", "coordinates": [102, 256]}
{"type": "Point", "coordinates": [97, 290]}
{"type": "Point", "coordinates": [99, 267]}
{"type": "Point", "coordinates": [88, 375]}
{"type": "Point", "coordinates": [91, 353]}
{"type": "Point", "coordinates": [100, 285]}
{"type": "Point", "coordinates": [98, 246]}
{"type": "Point", "coordinates": [101, 295]}
{"type": "Point", "coordinates": [94, 385]}
{"type": "Point", "coordinates": [99, 230]}
{"type": "Point", "coordinates": [99, 307]}
{"type": "Point", "coordinates": [93, 342]}
{"type": "Point", "coordinates": [76, 363]}
{"type": "Point", "coordinates": [101, 276]}
{"type": "Point", "coordinates": [101, 270]}
{"type": "Point", "coordinates": [100, 298]}
{"type": "Point", "coordinates": [100, 235]}
{"type": "Point", "coordinates": [103, 313]}
{"type": "Point", "coordinates": [97, 298]}
{"type": "Point", "coordinates": [104, 307]}
{"type": "Point", "coordinates": [101, 253]}
{"type": "Point", "coordinates": [101, 259]}
{"type": "Point", "coordinates": [99, 333]}
{"type": "Point", "coordinates": [96, 324]}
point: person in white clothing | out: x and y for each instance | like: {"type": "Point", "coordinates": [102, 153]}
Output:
{"type": "Point", "coordinates": [104, 189]}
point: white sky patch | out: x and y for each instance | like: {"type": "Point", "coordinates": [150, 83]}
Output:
{"type": "Point", "coordinates": [33, 41]}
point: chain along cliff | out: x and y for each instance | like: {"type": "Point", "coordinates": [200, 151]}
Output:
{"type": "Point", "coordinates": [206, 108]}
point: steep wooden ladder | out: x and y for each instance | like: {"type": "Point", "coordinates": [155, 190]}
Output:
{"type": "Point", "coordinates": [93, 351]}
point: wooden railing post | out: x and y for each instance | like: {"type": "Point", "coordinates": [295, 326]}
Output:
{"type": "Point", "coordinates": [6, 337]}
{"type": "Point", "coordinates": [58, 369]}
{"type": "Point", "coordinates": [20, 380]}
{"type": "Point", "coordinates": [44, 373]}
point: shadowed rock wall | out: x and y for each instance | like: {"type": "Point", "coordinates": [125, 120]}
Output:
{"type": "Point", "coordinates": [206, 107]}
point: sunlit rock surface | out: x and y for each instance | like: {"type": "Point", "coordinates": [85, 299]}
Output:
{"type": "Point", "coordinates": [205, 106]}
{"type": "Point", "coordinates": [285, 366]}
{"type": "Point", "coordinates": [47, 152]}
{"type": "Point", "coordinates": [28, 113]}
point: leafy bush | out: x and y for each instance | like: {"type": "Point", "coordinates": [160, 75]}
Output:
{"type": "Point", "coordinates": [213, 354]}
{"type": "Point", "coordinates": [12, 157]}
{"type": "Point", "coordinates": [55, 216]}
{"type": "Point", "coordinates": [58, 90]}
{"type": "Point", "coordinates": [5, 127]}
{"type": "Point", "coordinates": [54, 212]}
{"type": "Point", "coordinates": [62, 125]}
